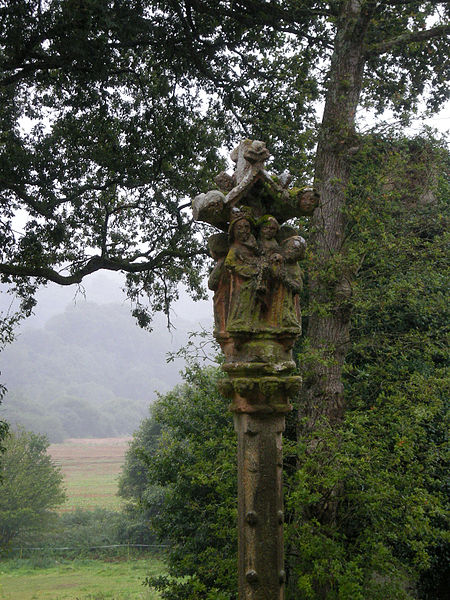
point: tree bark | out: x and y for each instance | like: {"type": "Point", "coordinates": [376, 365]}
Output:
{"type": "Point", "coordinates": [330, 282]}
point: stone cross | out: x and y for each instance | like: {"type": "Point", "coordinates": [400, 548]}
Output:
{"type": "Point", "coordinates": [256, 281]}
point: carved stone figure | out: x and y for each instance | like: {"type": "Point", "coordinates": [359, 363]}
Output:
{"type": "Point", "coordinates": [256, 278]}
{"type": "Point", "coordinates": [242, 263]}
{"type": "Point", "coordinates": [256, 281]}
{"type": "Point", "coordinates": [219, 282]}
{"type": "Point", "coordinates": [268, 229]}
{"type": "Point", "coordinates": [293, 250]}
{"type": "Point", "coordinates": [210, 207]}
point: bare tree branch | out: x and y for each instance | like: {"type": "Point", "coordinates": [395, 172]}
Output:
{"type": "Point", "coordinates": [94, 264]}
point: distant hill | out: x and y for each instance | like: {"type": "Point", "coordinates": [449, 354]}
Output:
{"type": "Point", "coordinates": [89, 372]}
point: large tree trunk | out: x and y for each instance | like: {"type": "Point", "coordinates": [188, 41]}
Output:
{"type": "Point", "coordinates": [331, 278]}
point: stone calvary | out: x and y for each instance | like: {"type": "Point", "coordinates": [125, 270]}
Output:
{"type": "Point", "coordinates": [256, 281]}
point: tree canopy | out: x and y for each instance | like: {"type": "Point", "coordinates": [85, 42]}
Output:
{"type": "Point", "coordinates": [102, 141]}
{"type": "Point", "coordinates": [367, 493]}
{"type": "Point", "coordinates": [31, 486]}
{"type": "Point", "coordinates": [113, 113]}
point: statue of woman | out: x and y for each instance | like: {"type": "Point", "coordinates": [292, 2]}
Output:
{"type": "Point", "coordinates": [242, 264]}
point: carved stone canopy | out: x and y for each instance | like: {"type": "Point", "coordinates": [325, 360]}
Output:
{"type": "Point", "coordinates": [253, 187]}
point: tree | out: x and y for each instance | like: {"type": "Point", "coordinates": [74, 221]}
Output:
{"type": "Point", "coordinates": [382, 467]}
{"type": "Point", "coordinates": [6, 336]}
{"type": "Point", "coordinates": [186, 452]}
{"type": "Point", "coordinates": [31, 486]}
{"type": "Point", "coordinates": [367, 499]}
{"type": "Point", "coordinates": [134, 484]}
{"type": "Point", "coordinates": [144, 500]}
{"type": "Point", "coordinates": [101, 145]}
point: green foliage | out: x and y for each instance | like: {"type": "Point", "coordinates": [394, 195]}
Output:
{"type": "Point", "coordinates": [3, 433]}
{"type": "Point", "coordinates": [31, 486]}
{"type": "Point", "coordinates": [9, 321]}
{"type": "Point", "coordinates": [116, 141]}
{"type": "Point", "coordinates": [192, 460]}
{"type": "Point", "coordinates": [179, 588]}
{"type": "Point", "coordinates": [371, 491]}
{"type": "Point", "coordinates": [83, 533]}
{"type": "Point", "coordinates": [134, 482]}
{"type": "Point", "coordinates": [144, 499]}
{"type": "Point", "coordinates": [380, 473]}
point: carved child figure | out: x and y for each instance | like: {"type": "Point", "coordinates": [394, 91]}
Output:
{"type": "Point", "coordinates": [271, 258]}
{"type": "Point", "coordinates": [268, 229]}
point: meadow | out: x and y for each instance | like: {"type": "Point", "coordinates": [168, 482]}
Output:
{"type": "Point", "coordinates": [91, 467]}
{"type": "Point", "coordinates": [78, 579]}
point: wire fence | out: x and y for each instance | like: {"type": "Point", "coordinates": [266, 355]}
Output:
{"type": "Point", "coordinates": [72, 552]}
{"type": "Point", "coordinates": [92, 547]}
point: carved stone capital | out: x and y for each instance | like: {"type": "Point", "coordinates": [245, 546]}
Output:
{"type": "Point", "coordinates": [260, 388]}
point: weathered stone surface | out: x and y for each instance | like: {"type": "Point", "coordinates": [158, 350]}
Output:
{"type": "Point", "coordinates": [256, 281]}
{"type": "Point", "coordinates": [252, 186]}
{"type": "Point", "coordinates": [261, 572]}
{"type": "Point", "coordinates": [211, 208]}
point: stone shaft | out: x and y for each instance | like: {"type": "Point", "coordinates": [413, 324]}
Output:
{"type": "Point", "coordinates": [257, 282]}
{"type": "Point", "coordinates": [260, 506]}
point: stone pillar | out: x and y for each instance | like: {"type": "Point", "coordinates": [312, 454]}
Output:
{"type": "Point", "coordinates": [256, 281]}
{"type": "Point", "coordinates": [260, 506]}
{"type": "Point", "coordinates": [260, 393]}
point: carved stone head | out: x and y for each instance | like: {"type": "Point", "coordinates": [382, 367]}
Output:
{"type": "Point", "coordinates": [294, 248]}
{"type": "Point", "coordinates": [240, 229]}
{"type": "Point", "coordinates": [268, 227]}
{"type": "Point", "coordinates": [218, 245]}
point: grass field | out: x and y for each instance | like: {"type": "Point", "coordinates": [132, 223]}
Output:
{"type": "Point", "coordinates": [91, 468]}
{"type": "Point", "coordinates": [78, 580]}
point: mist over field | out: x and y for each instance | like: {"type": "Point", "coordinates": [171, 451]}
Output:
{"type": "Point", "coordinates": [81, 367]}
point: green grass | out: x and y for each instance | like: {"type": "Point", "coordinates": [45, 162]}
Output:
{"type": "Point", "coordinates": [78, 580]}
{"type": "Point", "coordinates": [91, 469]}
{"type": "Point", "coordinates": [89, 491]}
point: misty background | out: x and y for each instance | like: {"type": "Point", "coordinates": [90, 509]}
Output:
{"type": "Point", "coordinates": [82, 367]}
